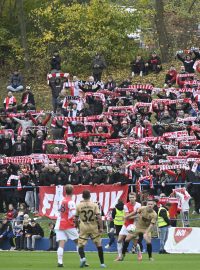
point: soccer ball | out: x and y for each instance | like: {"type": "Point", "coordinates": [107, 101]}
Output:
{"type": "Point", "coordinates": [131, 228]}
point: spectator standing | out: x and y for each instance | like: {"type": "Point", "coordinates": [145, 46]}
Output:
{"type": "Point", "coordinates": [98, 65]}
{"type": "Point", "coordinates": [55, 62]}
{"type": "Point", "coordinates": [188, 61]}
{"type": "Point", "coordinates": [56, 85]}
{"type": "Point", "coordinates": [163, 225]}
{"type": "Point", "coordinates": [27, 100]}
{"type": "Point", "coordinates": [110, 84]}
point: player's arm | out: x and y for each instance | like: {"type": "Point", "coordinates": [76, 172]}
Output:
{"type": "Point", "coordinates": [131, 215]}
{"type": "Point", "coordinates": [76, 218]}
{"type": "Point", "coordinates": [76, 221]}
{"type": "Point", "coordinates": [153, 222]}
{"type": "Point", "coordinates": [99, 218]}
{"type": "Point", "coordinates": [100, 222]}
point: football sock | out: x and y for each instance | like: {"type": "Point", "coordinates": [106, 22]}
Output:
{"type": "Point", "coordinates": [149, 250]}
{"type": "Point", "coordinates": [100, 252]}
{"type": "Point", "coordinates": [60, 255]}
{"type": "Point", "coordinates": [125, 246]}
{"type": "Point", "coordinates": [137, 248]}
{"type": "Point", "coordinates": [119, 249]}
{"type": "Point", "coordinates": [81, 252]}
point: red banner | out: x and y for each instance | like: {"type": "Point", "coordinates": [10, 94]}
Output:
{"type": "Point", "coordinates": [106, 195]}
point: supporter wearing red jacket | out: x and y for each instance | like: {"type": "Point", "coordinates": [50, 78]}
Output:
{"type": "Point", "coordinates": [170, 77]}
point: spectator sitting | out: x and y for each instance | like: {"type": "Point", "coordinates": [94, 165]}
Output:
{"type": "Point", "coordinates": [10, 103]}
{"type": "Point", "coordinates": [52, 238]}
{"type": "Point", "coordinates": [11, 213]}
{"type": "Point", "coordinates": [137, 66]}
{"type": "Point", "coordinates": [153, 64]}
{"type": "Point", "coordinates": [18, 233]}
{"type": "Point", "coordinates": [26, 230]}
{"type": "Point", "coordinates": [16, 82]}
{"type": "Point", "coordinates": [36, 233]}
{"type": "Point", "coordinates": [6, 232]}
{"type": "Point", "coordinates": [170, 77]}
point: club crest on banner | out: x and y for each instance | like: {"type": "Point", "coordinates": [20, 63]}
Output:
{"type": "Point", "coordinates": [181, 233]}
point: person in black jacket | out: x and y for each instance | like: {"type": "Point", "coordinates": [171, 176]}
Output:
{"type": "Point", "coordinates": [72, 176]}
{"type": "Point", "coordinates": [6, 232]}
{"type": "Point", "coordinates": [113, 227]}
{"type": "Point", "coordinates": [27, 100]}
{"type": "Point", "coordinates": [6, 145]}
{"type": "Point", "coordinates": [36, 233]}
{"type": "Point", "coordinates": [188, 61]}
{"type": "Point", "coordinates": [56, 61]}
{"type": "Point", "coordinates": [138, 66]}
{"type": "Point", "coordinates": [153, 64]}
{"type": "Point", "coordinates": [110, 84]}
{"type": "Point", "coordinates": [56, 85]}
{"type": "Point", "coordinates": [19, 147]}
{"type": "Point", "coordinates": [38, 142]}
{"type": "Point", "coordinates": [98, 65]}
{"type": "Point", "coordinates": [52, 238]}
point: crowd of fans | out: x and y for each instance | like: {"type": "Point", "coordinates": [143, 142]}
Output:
{"type": "Point", "coordinates": [102, 133]}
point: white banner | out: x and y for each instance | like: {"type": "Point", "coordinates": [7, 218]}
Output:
{"type": "Point", "coordinates": [183, 240]}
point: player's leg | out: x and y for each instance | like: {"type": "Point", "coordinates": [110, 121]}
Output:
{"type": "Point", "coordinates": [97, 242]}
{"type": "Point", "coordinates": [127, 240]}
{"type": "Point", "coordinates": [61, 238]}
{"type": "Point", "coordinates": [137, 248]}
{"type": "Point", "coordinates": [122, 235]}
{"type": "Point", "coordinates": [82, 240]}
{"type": "Point", "coordinates": [60, 252]}
{"type": "Point", "coordinates": [147, 238]}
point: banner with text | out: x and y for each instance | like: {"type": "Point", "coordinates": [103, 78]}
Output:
{"type": "Point", "coordinates": [183, 240]}
{"type": "Point", "coordinates": [106, 195]}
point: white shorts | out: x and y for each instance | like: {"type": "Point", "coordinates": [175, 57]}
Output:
{"type": "Point", "coordinates": [123, 230]}
{"type": "Point", "coordinates": [71, 234]}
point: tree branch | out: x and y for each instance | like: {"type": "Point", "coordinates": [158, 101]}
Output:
{"type": "Point", "coordinates": [191, 6]}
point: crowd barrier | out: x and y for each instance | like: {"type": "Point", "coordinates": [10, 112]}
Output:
{"type": "Point", "coordinates": [130, 185]}
{"type": "Point", "coordinates": [43, 244]}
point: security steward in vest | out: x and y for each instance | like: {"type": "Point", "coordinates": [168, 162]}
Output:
{"type": "Point", "coordinates": [163, 225]}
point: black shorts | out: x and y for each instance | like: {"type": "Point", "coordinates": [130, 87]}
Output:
{"type": "Point", "coordinates": [118, 229]}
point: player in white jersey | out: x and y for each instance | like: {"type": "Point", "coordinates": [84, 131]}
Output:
{"type": "Point", "coordinates": [65, 227]}
{"type": "Point", "coordinates": [124, 238]}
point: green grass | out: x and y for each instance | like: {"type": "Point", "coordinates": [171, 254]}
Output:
{"type": "Point", "coordinates": [46, 261]}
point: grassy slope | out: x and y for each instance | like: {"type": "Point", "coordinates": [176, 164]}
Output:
{"type": "Point", "coordinates": [47, 261]}
{"type": "Point", "coordinates": [43, 94]}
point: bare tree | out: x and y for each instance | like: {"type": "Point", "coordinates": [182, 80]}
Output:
{"type": "Point", "coordinates": [22, 23]}
{"type": "Point", "coordinates": [161, 30]}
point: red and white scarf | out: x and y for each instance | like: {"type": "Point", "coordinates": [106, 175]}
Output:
{"type": "Point", "coordinates": [14, 177]}
{"type": "Point", "coordinates": [9, 101]}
